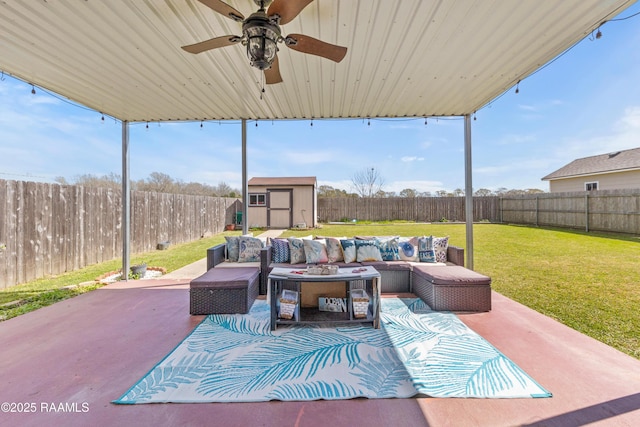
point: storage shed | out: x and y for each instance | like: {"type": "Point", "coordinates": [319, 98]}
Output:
{"type": "Point", "coordinates": [282, 202]}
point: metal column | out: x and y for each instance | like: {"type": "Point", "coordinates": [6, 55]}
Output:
{"type": "Point", "coordinates": [126, 202]}
{"type": "Point", "coordinates": [245, 187]}
{"type": "Point", "coordinates": [468, 191]}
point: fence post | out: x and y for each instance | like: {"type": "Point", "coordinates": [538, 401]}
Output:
{"type": "Point", "coordinates": [586, 211]}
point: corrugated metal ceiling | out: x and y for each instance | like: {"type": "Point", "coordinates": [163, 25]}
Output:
{"type": "Point", "coordinates": [406, 58]}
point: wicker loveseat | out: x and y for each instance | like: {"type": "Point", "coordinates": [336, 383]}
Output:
{"type": "Point", "coordinates": [443, 286]}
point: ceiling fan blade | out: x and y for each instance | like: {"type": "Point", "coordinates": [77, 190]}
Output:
{"type": "Point", "coordinates": [223, 9]}
{"type": "Point", "coordinates": [287, 9]}
{"type": "Point", "coordinates": [272, 75]}
{"type": "Point", "coordinates": [313, 46]}
{"type": "Point", "coordinates": [212, 44]}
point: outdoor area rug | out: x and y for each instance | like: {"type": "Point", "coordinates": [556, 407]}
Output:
{"type": "Point", "coordinates": [417, 351]}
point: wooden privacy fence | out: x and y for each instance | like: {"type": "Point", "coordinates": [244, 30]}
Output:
{"type": "Point", "coordinates": [419, 209]}
{"type": "Point", "coordinates": [606, 210]}
{"type": "Point", "coordinates": [48, 229]}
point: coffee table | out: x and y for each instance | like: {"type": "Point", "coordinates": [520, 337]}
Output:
{"type": "Point", "coordinates": [355, 278]}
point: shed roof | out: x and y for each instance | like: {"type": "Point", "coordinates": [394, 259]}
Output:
{"type": "Point", "coordinates": [284, 180]}
{"type": "Point", "coordinates": [409, 58]}
{"type": "Point", "coordinates": [618, 161]}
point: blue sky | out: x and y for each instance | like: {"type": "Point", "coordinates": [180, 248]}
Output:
{"type": "Point", "coordinates": [587, 102]}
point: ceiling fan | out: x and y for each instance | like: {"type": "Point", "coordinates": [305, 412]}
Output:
{"type": "Point", "coordinates": [261, 33]}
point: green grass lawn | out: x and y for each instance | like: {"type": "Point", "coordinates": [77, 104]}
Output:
{"type": "Point", "coordinates": [590, 282]}
{"type": "Point", "coordinates": [48, 290]}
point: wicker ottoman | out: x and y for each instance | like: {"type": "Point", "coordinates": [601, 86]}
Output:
{"type": "Point", "coordinates": [224, 290]}
{"type": "Point", "coordinates": [452, 288]}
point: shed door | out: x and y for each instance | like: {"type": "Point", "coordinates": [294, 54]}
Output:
{"type": "Point", "coordinates": [279, 213]}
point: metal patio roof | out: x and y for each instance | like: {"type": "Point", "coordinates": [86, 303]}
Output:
{"type": "Point", "coordinates": [405, 58]}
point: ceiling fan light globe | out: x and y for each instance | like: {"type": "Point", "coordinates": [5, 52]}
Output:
{"type": "Point", "coordinates": [261, 47]}
{"type": "Point", "coordinates": [262, 37]}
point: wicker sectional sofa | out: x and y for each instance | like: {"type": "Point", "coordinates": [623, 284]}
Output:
{"type": "Point", "coordinates": [448, 286]}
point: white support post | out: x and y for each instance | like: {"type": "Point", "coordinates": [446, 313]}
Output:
{"type": "Point", "coordinates": [126, 202]}
{"type": "Point", "coordinates": [468, 191]}
{"type": "Point", "coordinates": [245, 186]}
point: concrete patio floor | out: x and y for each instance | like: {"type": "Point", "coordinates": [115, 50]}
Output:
{"type": "Point", "coordinates": [65, 363]}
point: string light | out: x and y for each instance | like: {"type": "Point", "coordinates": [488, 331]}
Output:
{"type": "Point", "coordinates": [312, 122]}
{"type": "Point", "coordinates": [200, 124]}
{"type": "Point", "coordinates": [33, 90]}
{"type": "Point", "coordinates": [518, 87]}
{"type": "Point", "coordinates": [425, 121]}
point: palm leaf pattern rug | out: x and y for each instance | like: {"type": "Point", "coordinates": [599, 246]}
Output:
{"type": "Point", "coordinates": [417, 351]}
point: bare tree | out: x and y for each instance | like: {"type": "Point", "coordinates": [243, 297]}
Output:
{"type": "Point", "coordinates": [111, 180]}
{"type": "Point", "coordinates": [329, 191]}
{"type": "Point", "coordinates": [224, 190]}
{"type": "Point", "coordinates": [160, 182]}
{"type": "Point", "coordinates": [408, 192]}
{"type": "Point", "coordinates": [368, 183]}
{"type": "Point", "coordinates": [483, 192]}
{"type": "Point", "coordinates": [157, 182]}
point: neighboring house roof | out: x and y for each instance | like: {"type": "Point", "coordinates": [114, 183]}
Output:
{"type": "Point", "coordinates": [617, 161]}
{"type": "Point", "coordinates": [283, 180]}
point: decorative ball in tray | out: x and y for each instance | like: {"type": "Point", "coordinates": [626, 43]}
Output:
{"type": "Point", "coordinates": [324, 269]}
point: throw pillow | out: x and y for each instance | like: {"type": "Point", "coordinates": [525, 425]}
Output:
{"type": "Point", "coordinates": [315, 251]}
{"type": "Point", "coordinates": [348, 250]}
{"type": "Point", "coordinates": [249, 249]}
{"type": "Point", "coordinates": [440, 245]}
{"type": "Point", "coordinates": [280, 250]}
{"type": "Point", "coordinates": [296, 250]}
{"type": "Point", "coordinates": [367, 250]}
{"type": "Point", "coordinates": [426, 253]}
{"type": "Point", "coordinates": [408, 248]}
{"type": "Point", "coordinates": [388, 248]}
{"type": "Point", "coordinates": [334, 249]}
{"type": "Point", "coordinates": [233, 246]}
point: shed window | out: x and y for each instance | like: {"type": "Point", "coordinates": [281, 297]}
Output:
{"type": "Point", "coordinates": [590, 186]}
{"type": "Point", "coordinates": [257, 199]}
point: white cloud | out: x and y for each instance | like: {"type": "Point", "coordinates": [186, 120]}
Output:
{"type": "Point", "coordinates": [623, 135]}
{"type": "Point", "coordinates": [340, 184]}
{"type": "Point", "coordinates": [411, 159]}
{"type": "Point", "coordinates": [527, 107]}
{"type": "Point", "coordinates": [419, 185]}
{"type": "Point", "coordinates": [630, 122]}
